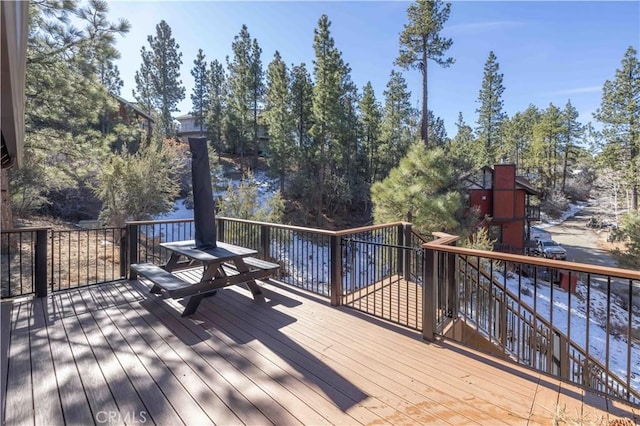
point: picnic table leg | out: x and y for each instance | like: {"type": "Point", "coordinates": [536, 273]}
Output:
{"type": "Point", "coordinates": [251, 285]}
{"type": "Point", "coordinates": [192, 304]}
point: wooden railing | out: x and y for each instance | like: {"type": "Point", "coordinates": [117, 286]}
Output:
{"type": "Point", "coordinates": [514, 305]}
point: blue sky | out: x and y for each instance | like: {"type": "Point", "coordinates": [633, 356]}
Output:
{"type": "Point", "coordinates": [548, 51]}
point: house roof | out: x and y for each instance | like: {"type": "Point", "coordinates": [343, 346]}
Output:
{"type": "Point", "coordinates": [521, 181]}
{"type": "Point", "coordinates": [134, 107]}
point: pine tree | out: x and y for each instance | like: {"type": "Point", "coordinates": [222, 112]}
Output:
{"type": "Point", "coordinates": [109, 77]}
{"type": "Point", "coordinates": [240, 117]}
{"type": "Point", "coordinates": [420, 41]}
{"type": "Point", "coordinates": [200, 95]}
{"type": "Point", "coordinates": [301, 106]}
{"type": "Point", "coordinates": [215, 111]}
{"type": "Point", "coordinates": [159, 78]}
{"type": "Point", "coordinates": [620, 114]}
{"type": "Point", "coordinates": [277, 115]}
{"type": "Point", "coordinates": [144, 92]}
{"type": "Point", "coordinates": [573, 131]}
{"type": "Point", "coordinates": [395, 132]}
{"type": "Point", "coordinates": [460, 147]}
{"type": "Point", "coordinates": [518, 135]}
{"type": "Point", "coordinates": [330, 74]}
{"type": "Point", "coordinates": [421, 190]}
{"type": "Point", "coordinates": [256, 87]}
{"type": "Point", "coordinates": [547, 134]}
{"type": "Point", "coordinates": [370, 121]}
{"type": "Point", "coordinates": [490, 113]}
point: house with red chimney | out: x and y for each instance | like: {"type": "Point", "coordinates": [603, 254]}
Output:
{"type": "Point", "coordinates": [504, 202]}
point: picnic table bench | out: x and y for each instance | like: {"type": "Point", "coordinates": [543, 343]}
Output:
{"type": "Point", "coordinates": [223, 266]}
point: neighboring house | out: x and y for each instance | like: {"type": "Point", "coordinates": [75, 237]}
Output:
{"type": "Point", "coordinates": [187, 128]}
{"type": "Point", "coordinates": [129, 111]}
{"type": "Point", "coordinates": [504, 203]}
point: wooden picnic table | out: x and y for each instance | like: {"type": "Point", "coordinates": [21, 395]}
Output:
{"type": "Point", "coordinates": [224, 265]}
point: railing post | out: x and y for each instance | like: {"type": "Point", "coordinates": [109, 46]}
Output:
{"type": "Point", "coordinates": [452, 293]}
{"type": "Point", "coordinates": [124, 243]}
{"type": "Point", "coordinates": [401, 254]}
{"type": "Point", "coordinates": [428, 295]}
{"type": "Point", "coordinates": [41, 263]}
{"type": "Point", "coordinates": [406, 229]}
{"type": "Point", "coordinates": [132, 240]}
{"type": "Point", "coordinates": [335, 286]}
{"type": "Point", "coordinates": [404, 258]}
{"type": "Point", "coordinates": [265, 241]}
{"type": "Point", "coordinates": [220, 223]}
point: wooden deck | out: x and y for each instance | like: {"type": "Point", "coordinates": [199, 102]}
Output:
{"type": "Point", "coordinates": [116, 354]}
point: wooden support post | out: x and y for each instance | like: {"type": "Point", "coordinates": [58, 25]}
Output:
{"type": "Point", "coordinates": [132, 241]}
{"type": "Point", "coordinates": [452, 288]}
{"type": "Point", "coordinates": [265, 241]}
{"type": "Point", "coordinates": [124, 264]}
{"type": "Point", "coordinates": [401, 255]}
{"type": "Point", "coordinates": [429, 295]}
{"type": "Point", "coordinates": [335, 285]}
{"type": "Point", "coordinates": [41, 263]}
{"type": "Point", "coordinates": [220, 223]}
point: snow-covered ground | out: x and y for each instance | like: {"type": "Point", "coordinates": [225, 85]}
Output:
{"type": "Point", "coordinates": [546, 221]}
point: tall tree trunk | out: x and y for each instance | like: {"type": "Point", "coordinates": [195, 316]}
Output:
{"type": "Point", "coordinates": [255, 129]}
{"type": "Point", "coordinates": [425, 116]}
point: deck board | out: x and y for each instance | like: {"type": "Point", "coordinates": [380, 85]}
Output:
{"type": "Point", "coordinates": [19, 405]}
{"type": "Point", "coordinates": [47, 409]}
{"type": "Point", "coordinates": [285, 360]}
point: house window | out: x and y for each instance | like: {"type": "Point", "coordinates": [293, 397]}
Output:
{"type": "Point", "coordinates": [495, 233]}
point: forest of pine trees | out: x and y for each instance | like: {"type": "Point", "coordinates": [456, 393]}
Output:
{"type": "Point", "coordinates": [338, 151]}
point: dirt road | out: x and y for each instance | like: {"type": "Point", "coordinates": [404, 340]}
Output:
{"type": "Point", "coordinates": [581, 244]}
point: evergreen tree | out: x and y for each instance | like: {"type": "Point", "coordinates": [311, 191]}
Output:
{"type": "Point", "coordinates": [109, 77]}
{"type": "Point", "coordinates": [144, 92]}
{"type": "Point", "coordinates": [395, 133]}
{"type": "Point", "coordinates": [240, 117]}
{"type": "Point", "coordinates": [490, 114]}
{"type": "Point", "coordinates": [200, 95]}
{"type": "Point", "coordinates": [158, 81]}
{"type": "Point", "coordinates": [330, 75]}
{"type": "Point", "coordinates": [518, 136]}
{"type": "Point", "coordinates": [370, 121]}
{"type": "Point", "coordinates": [420, 41]}
{"type": "Point", "coordinates": [573, 131]}
{"type": "Point", "coordinates": [547, 134]}
{"type": "Point", "coordinates": [257, 89]}
{"type": "Point", "coordinates": [301, 106]}
{"type": "Point", "coordinates": [215, 111]}
{"type": "Point", "coordinates": [437, 131]}
{"type": "Point", "coordinates": [460, 147]}
{"type": "Point", "coordinates": [421, 190]}
{"type": "Point", "coordinates": [277, 115]}
{"type": "Point", "coordinates": [620, 114]}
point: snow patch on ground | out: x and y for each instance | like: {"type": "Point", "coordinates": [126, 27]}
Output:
{"type": "Point", "coordinates": [546, 221]}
